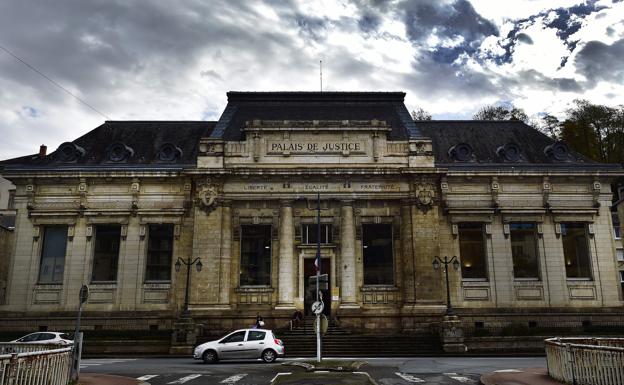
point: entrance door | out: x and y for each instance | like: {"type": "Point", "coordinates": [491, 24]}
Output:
{"type": "Point", "coordinates": [310, 294]}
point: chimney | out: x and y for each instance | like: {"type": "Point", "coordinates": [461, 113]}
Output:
{"type": "Point", "coordinates": [42, 151]}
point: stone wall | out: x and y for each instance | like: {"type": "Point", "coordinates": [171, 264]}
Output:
{"type": "Point", "coordinates": [6, 250]}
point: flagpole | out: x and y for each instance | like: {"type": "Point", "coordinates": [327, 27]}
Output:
{"type": "Point", "coordinates": [318, 274]}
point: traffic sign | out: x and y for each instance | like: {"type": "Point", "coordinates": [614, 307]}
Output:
{"type": "Point", "coordinates": [317, 307]}
{"type": "Point", "coordinates": [324, 324]}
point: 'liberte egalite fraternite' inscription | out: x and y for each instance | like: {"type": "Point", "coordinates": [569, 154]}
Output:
{"type": "Point", "coordinates": [322, 147]}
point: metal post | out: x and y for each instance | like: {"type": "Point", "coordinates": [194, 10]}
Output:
{"type": "Point", "coordinates": [437, 261]}
{"type": "Point", "coordinates": [185, 312]}
{"type": "Point", "coordinates": [77, 350]}
{"type": "Point", "coordinates": [449, 308]}
{"type": "Point", "coordinates": [188, 263]}
{"type": "Point", "coordinates": [318, 274]}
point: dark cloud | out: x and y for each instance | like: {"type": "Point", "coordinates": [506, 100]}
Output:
{"type": "Point", "coordinates": [434, 80]}
{"type": "Point", "coordinates": [456, 21]}
{"type": "Point", "coordinates": [566, 22]}
{"type": "Point", "coordinates": [524, 38]}
{"type": "Point", "coordinates": [97, 46]}
{"type": "Point", "coordinates": [600, 61]}
{"type": "Point", "coordinates": [369, 22]}
{"type": "Point", "coordinates": [211, 74]}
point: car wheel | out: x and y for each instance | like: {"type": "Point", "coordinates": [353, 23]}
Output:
{"type": "Point", "coordinates": [210, 357]}
{"type": "Point", "coordinates": [269, 356]}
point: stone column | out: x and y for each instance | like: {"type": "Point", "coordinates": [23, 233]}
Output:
{"type": "Point", "coordinates": [347, 255]}
{"type": "Point", "coordinates": [226, 248]}
{"type": "Point", "coordinates": [285, 275]}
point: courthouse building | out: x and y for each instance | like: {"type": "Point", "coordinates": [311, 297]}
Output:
{"type": "Point", "coordinates": [528, 219]}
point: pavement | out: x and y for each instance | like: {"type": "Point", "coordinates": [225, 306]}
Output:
{"type": "Point", "coordinates": [527, 376]}
{"type": "Point", "coordinates": [106, 379]}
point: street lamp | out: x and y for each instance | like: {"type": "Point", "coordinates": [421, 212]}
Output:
{"type": "Point", "coordinates": [437, 262]}
{"type": "Point", "coordinates": [188, 263]}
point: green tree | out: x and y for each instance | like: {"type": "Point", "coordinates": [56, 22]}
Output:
{"type": "Point", "coordinates": [550, 126]}
{"type": "Point", "coordinates": [494, 112]}
{"type": "Point", "coordinates": [419, 113]}
{"type": "Point", "coordinates": [594, 130]}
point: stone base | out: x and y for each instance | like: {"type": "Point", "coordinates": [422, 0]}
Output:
{"type": "Point", "coordinates": [454, 348]}
{"type": "Point", "coordinates": [185, 333]}
{"type": "Point", "coordinates": [181, 350]}
{"type": "Point", "coordinates": [452, 335]}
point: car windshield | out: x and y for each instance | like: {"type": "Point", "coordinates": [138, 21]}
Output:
{"type": "Point", "coordinates": [65, 336]}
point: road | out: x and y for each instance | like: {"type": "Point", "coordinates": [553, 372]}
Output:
{"type": "Point", "coordinates": [385, 371]}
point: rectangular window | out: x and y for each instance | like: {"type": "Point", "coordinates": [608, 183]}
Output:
{"type": "Point", "coordinates": [159, 252]}
{"type": "Point", "coordinates": [472, 251]}
{"type": "Point", "coordinates": [255, 266]}
{"type": "Point", "coordinates": [575, 250]}
{"type": "Point", "coordinates": [53, 254]}
{"type": "Point", "coordinates": [524, 250]}
{"type": "Point", "coordinates": [617, 232]}
{"type": "Point", "coordinates": [106, 253]}
{"type": "Point", "coordinates": [378, 255]}
{"type": "Point", "coordinates": [309, 234]}
{"type": "Point", "coordinates": [620, 254]}
{"type": "Point", "coordinates": [622, 279]}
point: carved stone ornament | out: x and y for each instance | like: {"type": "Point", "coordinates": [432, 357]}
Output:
{"type": "Point", "coordinates": [207, 197]}
{"type": "Point", "coordinates": [425, 195]}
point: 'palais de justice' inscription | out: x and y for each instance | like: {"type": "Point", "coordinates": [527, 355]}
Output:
{"type": "Point", "coordinates": [298, 147]}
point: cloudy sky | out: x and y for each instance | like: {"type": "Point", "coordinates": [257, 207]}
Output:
{"type": "Point", "coordinates": [135, 60]}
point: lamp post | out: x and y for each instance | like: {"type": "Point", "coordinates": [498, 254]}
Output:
{"type": "Point", "coordinates": [188, 263]}
{"type": "Point", "coordinates": [437, 262]}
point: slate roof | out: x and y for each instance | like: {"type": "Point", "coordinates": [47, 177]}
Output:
{"type": "Point", "coordinates": [486, 137]}
{"type": "Point", "coordinates": [143, 137]}
{"type": "Point", "coordinates": [248, 106]}
{"type": "Point", "coordinates": [482, 138]}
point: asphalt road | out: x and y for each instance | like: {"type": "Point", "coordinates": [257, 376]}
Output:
{"type": "Point", "coordinates": [385, 371]}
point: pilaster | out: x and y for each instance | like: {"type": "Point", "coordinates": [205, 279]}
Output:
{"type": "Point", "coordinates": [347, 255]}
{"type": "Point", "coordinates": [285, 275]}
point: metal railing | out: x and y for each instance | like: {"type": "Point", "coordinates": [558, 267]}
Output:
{"type": "Point", "coordinates": [18, 347]}
{"type": "Point", "coordinates": [49, 367]}
{"type": "Point", "coordinates": [586, 361]}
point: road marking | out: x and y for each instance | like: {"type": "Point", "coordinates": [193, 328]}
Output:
{"type": "Point", "coordinates": [409, 377]}
{"type": "Point", "coordinates": [147, 377]}
{"type": "Point", "coordinates": [508, 371]}
{"type": "Point", "coordinates": [233, 379]}
{"type": "Point", "coordinates": [463, 379]}
{"type": "Point", "coordinates": [280, 374]}
{"type": "Point", "coordinates": [185, 379]}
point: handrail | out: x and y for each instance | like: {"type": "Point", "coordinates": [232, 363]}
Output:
{"type": "Point", "coordinates": [50, 367]}
{"type": "Point", "coordinates": [586, 360]}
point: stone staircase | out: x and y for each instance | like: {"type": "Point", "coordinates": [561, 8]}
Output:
{"type": "Point", "coordinates": [301, 342]}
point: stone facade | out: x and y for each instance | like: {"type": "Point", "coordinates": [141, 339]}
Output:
{"type": "Point", "coordinates": [365, 174]}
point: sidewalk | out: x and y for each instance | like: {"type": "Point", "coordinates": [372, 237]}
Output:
{"type": "Point", "coordinates": [106, 379]}
{"type": "Point", "coordinates": [526, 376]}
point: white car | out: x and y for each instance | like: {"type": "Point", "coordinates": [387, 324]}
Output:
{"type": "Point", "coordinates": [46, 338]}
{"type": "Point", "coordinates": [241, 344]}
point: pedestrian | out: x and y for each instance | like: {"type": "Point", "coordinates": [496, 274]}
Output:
{"type": "Point", "coordinates": [296, 319]}
{"type": "Point", "coordinates": [259, 322]}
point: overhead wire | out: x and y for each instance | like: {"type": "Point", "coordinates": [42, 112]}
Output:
{"type": "Point", "coordinates": [54, 82]}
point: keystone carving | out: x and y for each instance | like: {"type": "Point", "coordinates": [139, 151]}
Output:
{"type": "Point", "coordinates": [425, 195]}
{"type": "Point", "coordinates": [207, 194]}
